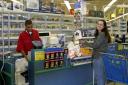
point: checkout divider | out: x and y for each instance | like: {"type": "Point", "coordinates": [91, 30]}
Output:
{"type": "Point", "coordinates": [52, 67]}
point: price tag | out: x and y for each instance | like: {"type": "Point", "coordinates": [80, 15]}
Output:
{"type": "Point", "coordinates": [39, 55]}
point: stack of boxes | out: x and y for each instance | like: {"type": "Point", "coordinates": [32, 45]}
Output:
{"type": "Point", "coordinates": [50, 58]}
{"type": "Point", "coordinates": [54, 59]}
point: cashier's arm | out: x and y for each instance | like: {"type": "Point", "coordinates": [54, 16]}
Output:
{"type": "Point", "coordinates": [24, 55]}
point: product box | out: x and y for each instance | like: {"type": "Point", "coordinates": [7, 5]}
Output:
{"type": "Point", "coordinates": [61, 62]}
{"type": "Point", "coordinates": [66, 51]}
{"type": "Point", "coordinates": [47, 65]}
{"type": "Point", "coordinates": [3, 5]}
{"type": "Point", "coordinates": [17, 6]}
{"type": "Point", "coordinates": [47, 56]}
{"type": "Point", "coordinates": [84, 33]}
{"type": "Point", "coordinates": [39, 55]}
{"type": "Point", "coordinates": [32, 5]}
{"type": "Point", "coordinates": [52, 55]}
{"type": "Point", "coordinates": [61, 39]}
{"type": "Point", "coordinates": [86, 51]}
{"type": "Point", "coordinates": [9, 6]}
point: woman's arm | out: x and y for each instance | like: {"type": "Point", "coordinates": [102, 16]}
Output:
{"type": "Point", "coordinates": [101, 39]}
{"type": "Point", "coordinates": [84, 43]}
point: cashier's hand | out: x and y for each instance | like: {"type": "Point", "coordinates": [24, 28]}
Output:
{"type": "Point", "coordinates": [26, 57]}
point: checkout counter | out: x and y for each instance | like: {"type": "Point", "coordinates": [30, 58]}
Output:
{"type": "Point", "coordinates": [7, 75]}
{"type": "Point", "coordinates": [52, 67]}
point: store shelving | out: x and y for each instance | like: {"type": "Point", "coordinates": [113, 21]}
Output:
{"type": "Point", "coordinates": [12, 23]}
{"type": "Point", "coordinates": [118, 26]}
{"type": "Point", "coordinates": [80, 61]}
{"type": "Point", "coordinates": [90, 22]}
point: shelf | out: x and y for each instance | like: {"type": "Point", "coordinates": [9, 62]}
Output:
{"type": "Point", "coordinates": [82, 63]}
{"type": "Point", "coordinates": [18, 21]}
{"type": "Point", "coordinates": [93, 18]}
{"type": "Point", "coordinates": [123, 29]}
{"type": "Point", "coordinates": [125, 43]}
{"type": "Point", "coordinates": [55, 29]}
{"type": "Point", "coordinates": [11, 46]}
{"type": "Point", "coordinates": [53, 22]}
{"type": "Point", "coordinates": [69, 36]}
{"type": "Point", "coordinates": [88, 37]}
{"type": "Point", "coordinates": [90, 41]}
{"type": "Point", "coordinates": [68, 23]}
{"type": "Point", "coordinates": [5, 53]}
{"type": "Point", "coordinates": [35, 21]}
{"type": "Point", "coordinates": [9, 40]}
{"type": "Point", "coordinates": [12, 38]}
{"type": "Point", "coordinates": [85, 57]}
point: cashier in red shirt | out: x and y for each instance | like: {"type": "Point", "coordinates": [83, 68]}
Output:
{"type": "Point", "coordinates": [25, 39]}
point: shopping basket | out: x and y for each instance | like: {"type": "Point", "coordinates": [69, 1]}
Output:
{"type": "Point", "coordinates": [116, 67]}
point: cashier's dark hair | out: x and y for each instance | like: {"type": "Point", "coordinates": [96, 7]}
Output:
{"type": "Point", "coordinates": [28, 22]}
{"type": "Point", "coordinates": [105, 30]}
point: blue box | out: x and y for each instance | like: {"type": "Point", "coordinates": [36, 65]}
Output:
{"type": "Point", "coordinates": [53, 49]}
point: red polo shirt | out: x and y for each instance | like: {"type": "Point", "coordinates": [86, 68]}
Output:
{"type": "Point", "coordinates": [25, 41]}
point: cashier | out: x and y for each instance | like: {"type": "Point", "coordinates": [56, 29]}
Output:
{"type": "Point", "coordinates": [26, 38]}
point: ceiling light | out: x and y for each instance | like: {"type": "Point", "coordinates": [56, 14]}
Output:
{"type": "Point", "coordinates": [122, 6]}
{"type": "Point", "coordinates": [109, 5]}
{"type": "Point", "coordinates": [118, 17]}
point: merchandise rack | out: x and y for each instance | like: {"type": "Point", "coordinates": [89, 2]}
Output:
{"type": "Point", "coordinates": [118, 26]}
{"type": "Point", "coordinates": [12, 23]}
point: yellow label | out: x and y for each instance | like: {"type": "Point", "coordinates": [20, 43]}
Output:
{"type": "Point", "coordinates": [39, 55]}
{"type": "Point", "coordinates": [120, 47]}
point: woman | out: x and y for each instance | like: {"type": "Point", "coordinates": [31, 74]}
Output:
{"type": "Point", "coordinates": [102, 38]}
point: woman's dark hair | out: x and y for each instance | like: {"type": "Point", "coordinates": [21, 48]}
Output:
{"type": "Point", "coordinates": [28, 22]}
{"type": "Point", "coordinates": [105, 30]}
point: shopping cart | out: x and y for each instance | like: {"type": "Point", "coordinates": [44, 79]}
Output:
{"type": "Point", "coordinates": [116, 67]}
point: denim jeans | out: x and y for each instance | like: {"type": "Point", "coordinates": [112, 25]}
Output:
{"type": "Point", "coordinates": [99, 71]}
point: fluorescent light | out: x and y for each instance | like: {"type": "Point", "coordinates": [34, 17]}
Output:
{"type": "Point", "coordinates": [109, 5]}
{"type": "Point", "coordinates": [67, 4]}
{"type": "Point", "coordinates": [123, 5]}
{"type": "Point", "coordinates": [118, 17]}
